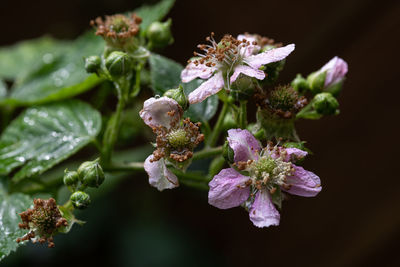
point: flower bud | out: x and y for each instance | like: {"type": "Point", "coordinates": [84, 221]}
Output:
{"type": "Point", "coordinates": [316, 81]}
{"type": "Point", "coordinates": [118, 63]}
{"type": "Point", "coordinates": [325, 104]}
{"type": "Point", "coordinates": [243, 87]}
{"type": "Point", "coordinates": [70, 178]}
{"type": "Point", "coordinates": [92, 64]}
{"type": "Point", "coordinates": [228, 153]}
{"type": "Point", "coordinates": [178, 94]}
{"type": "Point", "coordinates": [80, 200]}
{"type": "Point", "coordinates": [229, 122]}
{"type": "Point", "coordinates": [299, 84]}
{"type": "Point", "coordinates": [330, 75]}
{"type": "Point", "coordinates": [159, 33]}
{"type": "Point", "coordinates": [91, 174]}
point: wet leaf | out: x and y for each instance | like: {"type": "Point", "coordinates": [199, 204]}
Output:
{"type": "Point", "coordinates": [58, 74]}
{"type": "Point", "coordinates": [10, 206]}
{"type": "Point", "coordinates": [3, 89]}
{"type": "Point", "coordinates": [43, 136]}
{"type": "Point", "coordinates": [21, 57]}
{"type": "Point", "coordinates": [153, 13]}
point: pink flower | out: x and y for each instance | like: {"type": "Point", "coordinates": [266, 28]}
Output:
{"type": "Point", "coordinates": [160, 113]}
{"type": "Point", "coordinates": [176, 139]}
{"type": "Point", "coordinates": [335, 69]}
{"type": "Point", "coordinates": [223, 62]}
{"type": "Point", "coordinates": [268, 171]}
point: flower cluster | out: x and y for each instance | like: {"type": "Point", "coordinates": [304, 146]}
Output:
{"type": "Point", "coordinates": [43, 221]}
{"type": "Point", "coordinates": [258, 177]}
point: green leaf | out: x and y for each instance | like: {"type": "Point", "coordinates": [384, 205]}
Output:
{"type": "Point", "coordinates": [164, 74]}
{"type": "Point", "coordinates": [3, 89]}
{"type": "Point", "coordinates": [43, 136]}
{"type": "Point", "coordinates": [58, 74]}
{"type": "Point", "coordinates": [10, 206]}
{"type": "Point", "coordinates": [202, 111]}
{"type": "Point", "coordinates": [20, 58]}
{"type": "Point", "coordinates": [153, 13]}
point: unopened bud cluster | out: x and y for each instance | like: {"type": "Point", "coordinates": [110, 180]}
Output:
{"type": "Point", "coordinates": [89, 174]}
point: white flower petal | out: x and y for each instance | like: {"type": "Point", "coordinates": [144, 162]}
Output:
{"type": "Point", "coordinates": [248, 71]}
{"type": "Point", "coordinates": [273, 55]}
{"type": "Point", "coordinates": [206, 89]}
{"type": "Point", "coordinates": [155, 111]}
{"type": "Point", "coordinates": [159, 175]}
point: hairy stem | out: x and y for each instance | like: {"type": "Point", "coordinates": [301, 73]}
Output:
{"type": "Point", "coordinates": [207, 152]}
{"type": "Point", "coordinates": [213, 139]}
{"type": "Point", "coordinates": [243, 114]}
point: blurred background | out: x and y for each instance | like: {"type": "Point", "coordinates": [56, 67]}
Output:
{"type": "Point", "coordinates": [354, 221]}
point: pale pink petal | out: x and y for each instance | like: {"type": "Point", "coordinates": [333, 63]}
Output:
{"type": "Point", "coordinates": [244, 144]}
{"type": "Point", "coordinates": [206, 89]}
{"type": "Point", "coordinates": [263, 212]}
{"type": "Point", "coordinates": [303, 183]}
{"type": "Point", "coordinates": [294, 154]}
{"type": "Point", "coordinates": [228, 189]}
{"type": "Point", "coordinates": [248, 71]}
{"type": "Point", "coordinates": [273, 55]}
{"type": "Point", "coordinates": [251, 48]}
{"type": "Point", "coordinates": [335, 69]}
{"type": "Point", "coordinates": [155, 111]}
{"type": "Point", "coordinates": [159, 175]}
{"type": "Point", "coordinates": [193, 71]}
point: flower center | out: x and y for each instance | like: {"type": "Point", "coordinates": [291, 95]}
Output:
{"type": "Point", "coordinates": [268, 171]}
{"type": "Point", "coordinates": [223, 55]}
{"type": "Point", "coordinates": [178, 138]}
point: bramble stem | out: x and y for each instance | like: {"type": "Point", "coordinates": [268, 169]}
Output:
{"type": "Point", "coordinates": [207, 152]}
{"type": "Point", "coordinates": [111, 133]}
{"type": "Point", "coordinates": [243, 114]}
{"type": "Point", "coordinates": [189, 178]}
{"type": "Point", "coordinates": [217, 128]}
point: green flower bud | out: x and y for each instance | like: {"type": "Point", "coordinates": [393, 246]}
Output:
{"type": "Point", "coordinates": [178, 94]}
{"type": "Point", "coordinates": [243, 87]}
{"type": "Point", "coordinates": [228, 153]}
{"type": "Point", "coordinates": [256, 130]}
{"type": "Point", "coordinates": [229, 122]}
{"type": "Point", "coordinates": [316, 81]}
{"type": "Point", "coordinates": [70, 178]}
{"type": "Point", "coordinates": [300, 84]}
{"type": "Point", "coordinates": [92, 64]}
{"type": "Point", "coordinates": [118, 63]}
{"type": "Point", "coordinates": [80, 200]}
{"type": "Point", "coordinates": [325, 103]}
{"type": "Point", "coordinates": [159, 33]}
{"type": "Point", "coordinates": [216, 165]}
{"type": "Point", "coordinates": [91, 174]}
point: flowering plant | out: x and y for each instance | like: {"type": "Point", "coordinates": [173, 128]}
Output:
{"type": "Point", "coordinates": [59, 146]}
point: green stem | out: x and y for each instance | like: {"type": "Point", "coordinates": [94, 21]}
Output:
{"type": "Point", "coordinates": [207, 152]}
{"type": "Point", "coordinates": [68, 205]}
{"type": "Point", "coordinates": [243, 114]}
{"type": "Point", "coordinates": [111, 133]}
{"type": "Point", "coordinates": [139, 167]}
{"type": "Point", "coordinates": [128, 167]}
{"type": "Point", "coordinates": [217, 128]}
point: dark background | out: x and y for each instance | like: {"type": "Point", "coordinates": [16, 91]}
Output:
{"type": "Point", "coordinates": [354, 221]}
